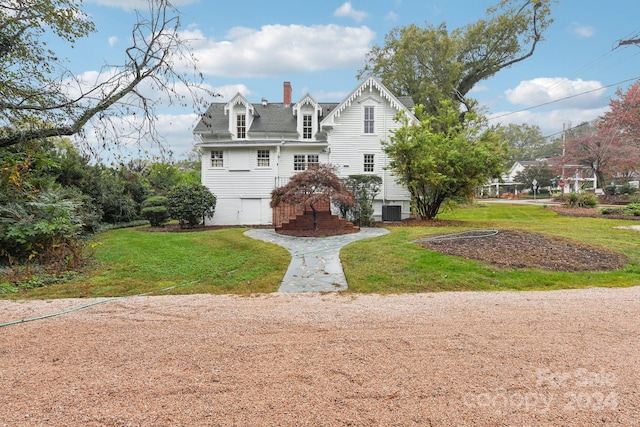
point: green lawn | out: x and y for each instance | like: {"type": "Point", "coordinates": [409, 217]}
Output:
{"type": "Point", "coordinates": [410, 268]}
{"type": "Point", "coordinates": [131, 261]}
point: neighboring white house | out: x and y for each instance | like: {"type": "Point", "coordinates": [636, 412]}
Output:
{"type": "Point", "coordinates": [572, 178]}
{"type": "Point", "coordinates": [249, 149]}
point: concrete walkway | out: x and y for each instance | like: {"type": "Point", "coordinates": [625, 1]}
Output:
{"type": "Point", "coordinates": [315, 261]}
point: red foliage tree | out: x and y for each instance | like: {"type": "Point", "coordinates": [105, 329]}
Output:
{"type": "Point", "coordinates": [611, 145]}
{"type": "Point", "coordinates": [311, 187]}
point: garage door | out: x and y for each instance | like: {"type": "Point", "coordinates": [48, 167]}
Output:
{"type": "Point", "coordinates": [250, 212]}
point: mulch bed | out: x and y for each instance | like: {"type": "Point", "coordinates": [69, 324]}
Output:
{"type": "Point", "coordinates": [589, 213]}
{"type": "Point", "coordinates": [518, 249]}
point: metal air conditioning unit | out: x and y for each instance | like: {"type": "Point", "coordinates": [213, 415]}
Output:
{"type": "Point", "coordinates": [391, 213]}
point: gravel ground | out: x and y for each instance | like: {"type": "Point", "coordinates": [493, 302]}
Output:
{"type": "Point", "coordinates": [447, 359]}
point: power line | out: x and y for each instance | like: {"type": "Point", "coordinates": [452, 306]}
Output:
{"type": "Point", "coordinates": [563, 99]}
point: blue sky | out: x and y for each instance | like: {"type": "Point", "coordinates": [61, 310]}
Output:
{"type": "Point", "coordinates": [254, 46]}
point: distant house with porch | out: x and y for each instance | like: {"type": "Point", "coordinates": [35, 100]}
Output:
{"type": "Point", "coordinates": [248, 149]}
{"type": "Point", "coordinates": [571, 178]}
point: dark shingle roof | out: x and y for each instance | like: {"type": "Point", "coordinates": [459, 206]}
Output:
{"type": "Point", "coordinates": [270, 118]}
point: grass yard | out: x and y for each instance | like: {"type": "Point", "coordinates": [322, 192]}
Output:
{"type": "Point", "coordinates": [410, 268]}
{"type": "Point", "coordinates": [132, 262]}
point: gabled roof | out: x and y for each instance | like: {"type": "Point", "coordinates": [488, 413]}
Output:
{"type": "Point", "coordinates": [236, 100]}
{"type": "Point", "coordinates": [306, 100]}
{"type": "Point", "coordinates": [370, 84]}
{"type": "Point", "coordinates": [278, 118]}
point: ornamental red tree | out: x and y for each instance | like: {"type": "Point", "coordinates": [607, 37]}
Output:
{"type": "Point", "coordinates": [311, 187]}
{"type": "Point", "coordinates": [610, 146]}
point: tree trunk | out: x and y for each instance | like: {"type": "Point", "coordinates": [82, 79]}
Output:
{"type": "Point", "coordinates": [315, 217]}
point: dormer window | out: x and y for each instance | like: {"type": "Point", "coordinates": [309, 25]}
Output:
{"type": "Point", "coordinates": [307, 126]}
{"type": "Point", "coordinates": [369, 121]}
{"type": "Point", "coordinates": [241, 126]}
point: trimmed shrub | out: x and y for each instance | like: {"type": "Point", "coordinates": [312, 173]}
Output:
{"type": "Point", "coordinates": [632, 209]}
{"type": "Point", "coordinates": [587, 201]}
{"type": "Point", "coordinates": [190, 204]}
{"type": "Point", "coordinates": [155, 210]}
{"type": "Point", "coordinates": [575, 200]}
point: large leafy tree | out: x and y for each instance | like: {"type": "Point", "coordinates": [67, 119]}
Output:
{"type": "Point", "coordinates": [432, 64]}
{"type": "Point", "coordinates": [541, 173]}
{"type": "Point", "coordinates": [527, 143]}
{"type": "Point", "coordinates": [40, 97]}
{"type": "Point", "coordinates": [311, 187]}
{"type": "Point", "coordinates": [443, 158]}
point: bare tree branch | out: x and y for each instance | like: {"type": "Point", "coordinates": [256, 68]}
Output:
{"type": "Point", "coordinates": [44, 107]}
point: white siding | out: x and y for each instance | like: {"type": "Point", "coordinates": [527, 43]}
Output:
{"type": "Point", "coordinates": [232, 187]}
{"type": "Point", "coordinates": [243, 189]}
{"type": "Point", "coordinates": [349, 143]}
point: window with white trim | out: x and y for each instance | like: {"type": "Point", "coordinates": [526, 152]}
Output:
{"type": "Point", "coordinates": [312, 160]}
{"type": "Point", "coordinates": [369, 162]}
{"type": "Point", "coordinates": [307, 126]}
{"type": "Point", "coordinates": [241, 126]}
{"type": "Point", "coordinates": [302, 162]}
{"type": "Point", "coordinates": [263, 159]}
{"type": "Point", "coordinates": [369, 122]}
{"type": "Point", "coordinates": [299, 162]}
{"type": "Point", "coordinates": [217, 159]}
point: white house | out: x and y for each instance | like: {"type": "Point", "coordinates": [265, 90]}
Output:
{"type": "Point", "coordinates": [248, 149]}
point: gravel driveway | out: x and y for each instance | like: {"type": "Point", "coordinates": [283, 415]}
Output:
{"type": "Point", "coordinates": [545, 358]}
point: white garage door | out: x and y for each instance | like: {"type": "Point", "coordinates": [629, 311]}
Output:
{"type": "Point", "coordinates": [250, 212]}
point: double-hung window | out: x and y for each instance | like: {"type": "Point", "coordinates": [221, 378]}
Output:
{"type": "Point", "coordinates": [217, 159]}
{"type": "Point", "coordinates": [299, 162]}
{"type": "Point", "coordinates": [369, 163]}
{"type": "Point", "coordinates": [307, 126]}
{"type": "Point", "coordinates": [241, 126]}
{"type": "Point", "coordinates": [312, 160]}
{"type": "Point", "coordinates": [263, 159]}
{"type": "Point", "coordinates": [302, 162]}
{"type": "Point", "coordinates": [369, 121]}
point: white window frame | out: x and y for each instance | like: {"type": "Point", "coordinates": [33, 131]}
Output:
{"type": "Point", "coordinates": [264, 158]}
{"type": "Point", "coordinates": [369, 119]}
{"type": "Point", "coordinates": [299, 162]}
{"type": "Point", "coordinates": [313, 160]}
{"type": "Point", "coordinates": [369, 163]}
{"type": "Point", "coordinates": [217, 159]}
{"type": "Point", "coordinates": [303, 161]}
{"type": "Point", "coordinates": [307, 126]}
{"type": "Point", "coordinates": [241, 126]}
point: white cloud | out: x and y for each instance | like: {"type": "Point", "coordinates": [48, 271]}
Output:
{"type": "Point", "coordinates": [113, 40]}
{"type": "Point", "coordinates": [479, 88]}
{"type": "Point", "coordinates": [347, 10]}
{"type": "Point", "coordinates": [280, 49]}
{"type": "Point", "coordinates": [582, 30]}
{"type": "Point", "coordinates": [549, 122]}
{"type": "Point", "coordinates": [392, 16]}
{"type": "Point", "coordinates": [543, 90]}
{"type": "Point", "coordinates": [229, 91]}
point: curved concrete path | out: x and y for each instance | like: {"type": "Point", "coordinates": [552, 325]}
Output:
{"type": "Point", "coordinates": [315, 261]}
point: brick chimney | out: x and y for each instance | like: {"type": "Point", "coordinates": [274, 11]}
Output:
{"type": "Point", "coordinates": [287, 94]}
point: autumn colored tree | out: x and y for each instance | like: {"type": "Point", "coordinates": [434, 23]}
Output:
{"type": "Point", "coordinates": [610, 146]}
{"type": "Point", "coordinates": [311, 187]}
